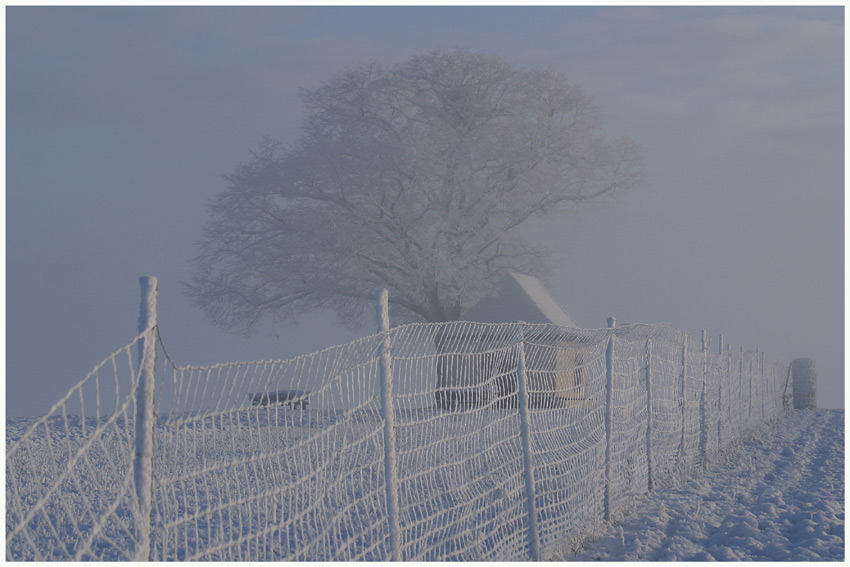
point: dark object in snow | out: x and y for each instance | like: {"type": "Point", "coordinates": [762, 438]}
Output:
{"type": "Point", "coordinates": [291, 398]}
{"type": "Point", "coordinates": [805, 382]}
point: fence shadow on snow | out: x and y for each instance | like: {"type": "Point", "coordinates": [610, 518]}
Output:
{"type": "Point", "coordinates": [425, 442]}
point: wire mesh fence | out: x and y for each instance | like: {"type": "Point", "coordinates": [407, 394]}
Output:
{"type": "Point", "coordinates": [69, 474]}
{"type": "Point", "coordinates": [506, 441]}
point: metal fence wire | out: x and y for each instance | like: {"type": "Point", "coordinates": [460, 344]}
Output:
{"type": "Point", "coordinates": [424, 442]}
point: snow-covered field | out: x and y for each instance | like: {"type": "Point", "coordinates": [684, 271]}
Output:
{"type": "Point", "coordinates": [777, 495]}
{"type": "Point", "coordinates": [780, 497]}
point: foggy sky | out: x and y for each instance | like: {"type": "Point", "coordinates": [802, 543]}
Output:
{"type": "Point", "coordinates": [121, 121]}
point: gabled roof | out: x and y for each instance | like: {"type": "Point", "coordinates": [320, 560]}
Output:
{"type": "Point", "coordinates": [519, 298]}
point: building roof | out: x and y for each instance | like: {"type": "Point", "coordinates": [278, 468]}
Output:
{"type": "Point", "coordinates": [520, 298]}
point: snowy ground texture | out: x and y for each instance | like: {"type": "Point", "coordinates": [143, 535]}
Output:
{"type": "Point", "coordinates": [780, 498]}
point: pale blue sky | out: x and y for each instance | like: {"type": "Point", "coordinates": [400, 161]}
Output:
{"type": "Point", "coordinates": [120, 122]}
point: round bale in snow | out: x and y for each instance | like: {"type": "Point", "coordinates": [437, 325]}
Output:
{"type": "Point", "coordinates": [805, 381]}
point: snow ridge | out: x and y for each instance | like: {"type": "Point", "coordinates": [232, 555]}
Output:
{"type": "Point", "coordinates": [779, 498]}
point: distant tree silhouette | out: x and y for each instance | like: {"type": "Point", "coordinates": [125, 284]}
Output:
{"type": "Point", "coordinates": [415, 178]}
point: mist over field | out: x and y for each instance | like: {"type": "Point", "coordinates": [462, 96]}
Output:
{"type": "Point", "coordinates": [121, 122]}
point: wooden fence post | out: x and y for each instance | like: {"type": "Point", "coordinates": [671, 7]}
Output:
{"type": "Point", "coordinates": [762, 385]}
{"type": "Point", "coordinates": [609, 416]}
{"type": "Point", "coordinates": [682, 379]}
{"type": "Point", "coordinates": [525, 438]}
{"type": "Point", "coordinates": [703, 429]}
{"type": "Point", "coordinates": [729, 381]}
{"type": "Point", "coordinates": [721, 377]}
{"type": "Point", "coordinates": [388, 415]}
{"type": "Point", "coordinates": [649, 414]}
{"type": "Point", "coordinates": [143, 458]}
{"type": "Point", "coordinates": [752, 371]}
{"type": "Point", "coordinates": [740, 387]}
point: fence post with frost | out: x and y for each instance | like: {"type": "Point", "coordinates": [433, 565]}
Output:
{"type": "Point", "coordinates": [786, 399]}
{"type": "Point", "coordinates": [727, 365]}
{"type": "Point", "coordinates": [763, 386]}
{"type": "Point", "coordinates": [525, 438]}
{"type": "Point", "coordinates": [144, 395]}
{"type": "Point", "coordinates": [649, 414]}
{"type": "Point", "coordinates": [703, 430]}
{"type": "Point", "coordinates": [682, 379]}
{"type": "Point", "coordinates": [721, 377]}
{"type": "Point", "coordinates": [388, 415]}
{"type": "Point", "coordinates": [750, 410]}
{"type": "Point", "coordinates": [729, 388]}
{"type": "Point", "coordinates": [609, 416]}
{"type": "Point", "coordinates": [740, 390]}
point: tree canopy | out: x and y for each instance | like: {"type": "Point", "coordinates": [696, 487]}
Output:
{"type": "Point", "coordinates": [413, 177]}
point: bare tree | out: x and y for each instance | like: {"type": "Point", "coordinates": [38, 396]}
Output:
{"type": "Point", "coordinates": [414, 178]}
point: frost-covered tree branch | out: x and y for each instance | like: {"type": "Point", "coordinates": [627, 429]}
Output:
{"type": "Point", "coordinates": [414, 177]}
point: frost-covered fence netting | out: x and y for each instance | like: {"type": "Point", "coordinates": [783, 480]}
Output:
{"type": "Point", "coordinates": [244, 470]}
{"type": "Point", "coordinates": [428, 442]}
{"type": "Point", "coordinates": [70, 492]}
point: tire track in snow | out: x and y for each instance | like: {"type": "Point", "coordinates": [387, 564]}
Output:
{"type": "Point", "coordinates": [779, 497]}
